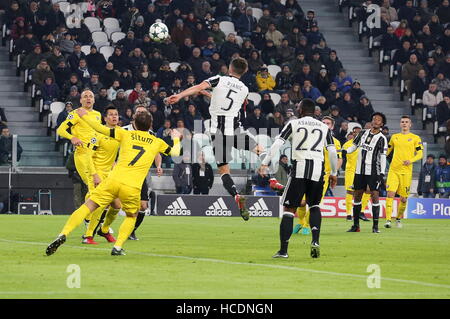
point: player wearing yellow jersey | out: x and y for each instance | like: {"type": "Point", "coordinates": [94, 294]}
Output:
{"type": "Point", "coordinates": [83, 138]}
{"type": "Point", "coordinates": [407, 149]}
{"type": "Point", "coordinates": [350, 169]}
{"type": "Point", "coordinates": [303, 214]}
{"type": "Point", "coordinates": [137, 152]}
{"type": "Point", "coordinates": [103, 159]}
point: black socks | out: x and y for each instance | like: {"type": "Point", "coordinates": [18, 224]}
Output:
{"type": "Point", "coordinates": [315, 220]}
{"type": "Point", "coordinates": [286, 230]}
{"type": "Point", "coordinates": [229, 184]}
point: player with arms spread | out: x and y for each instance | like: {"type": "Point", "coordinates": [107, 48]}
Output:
{"type": "Point", "coordinates": [309, 138]}
{"type": "Point", "coordinates": [228, 96]}
{"type": "Point", "coordinates": [370, 168]}
{"type": "Point", "coordinates": [406, 148]}
{"type": "Point", "coordinates": [137, 152]}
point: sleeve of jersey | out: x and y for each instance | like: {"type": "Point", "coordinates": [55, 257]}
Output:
{"type": "Point", "coordinates": [213, 81]}
{"type": "Point", "coordinates": [63, 129]}
{"type": "Point", "coordinates": [175, 150]}
{"type": "Point", "coordinates": [115, 133]}
{"type": "Point", "coordinates": [390, 147]}
{"type": "Point", "coordinates": [355, 144]}
{"type": "Point", "coordinates": [286, 132]}
{"type": "Point", "coordinates": [332, 153]}
{"type": "Point", "coordinates": [419, 150]}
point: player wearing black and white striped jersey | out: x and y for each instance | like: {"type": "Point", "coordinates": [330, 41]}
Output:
{"type": "Point", "coordinates": [308, 137]}
{"type": "Point", "coordinates": [370, 168]}
{"type": "Point", "coordinates": [228, 96]}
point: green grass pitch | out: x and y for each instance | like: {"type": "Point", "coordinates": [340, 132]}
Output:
{"type": "Point", "coordinates": [204, 257]}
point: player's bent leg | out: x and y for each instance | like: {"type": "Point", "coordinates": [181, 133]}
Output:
{"type": "Point", "coordinates": [125, 230]}
{"type": "Point", "coordinates": [111, 215]}
{"type": "Point", "coordinates": [228, 183]}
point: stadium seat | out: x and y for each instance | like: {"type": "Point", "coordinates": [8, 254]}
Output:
{"type": "Point", "coordinates": [227, 27]}
{"type": "Point", "coordinates": [275, 98]}
{"type": "Point", "coordinates": [93, 24]}
{"type": "Point", "coordinates": [117, 36]}
{"type": "Point", "coordinates": [174, 66]}
{"type": "Point", "coordinates": [55, 109]}
{"type": "Point", "coordinates": [64, 7]}
{"type": "Point", "coordinates": [107, 51]}
{"type": "Point", "coordinates": [100, 38]}
{"type": "Point", "coordinates": [257, 13]}
{"type": "Point", "coordinates": [86, 49]}
{"type": "Point", "coordinates": [111, 25]}
{"type": "Point", "coordinates": [255, 97]}
{"type": "Point", "coordinates": [273, 70]}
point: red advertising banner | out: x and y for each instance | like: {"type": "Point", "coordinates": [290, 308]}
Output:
{"type": "Point", "coordinates": [335, 207]}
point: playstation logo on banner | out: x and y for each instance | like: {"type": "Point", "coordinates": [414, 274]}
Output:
{"type": "Point", "coordinates": [260, 209]}
{"type": "Point", "coordinates": [419, 209]}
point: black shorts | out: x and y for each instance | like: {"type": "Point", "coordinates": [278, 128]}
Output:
{"type": "Point", "coordinates": [223, 146]}
{"type": "Point", "coordinates": [361, 182]}
{"type": "Point", "coordinates": [296, 188]}
{"type": "Point", "coordinates": [144, 191]}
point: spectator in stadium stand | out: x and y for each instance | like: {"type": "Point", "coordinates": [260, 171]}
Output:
{"type": "Point", "coordinates": [365, 110]}
{"type": "Point", "coordinates": [420, 84]}
{"type": "Point", "coordinates": [41, 73]}
{"type": "Point", "coordinates": [285, 53]}
{"type": "Point", "coordinates": [126, 80]}
{"type": "Point", "coordinates": [254, 62]}
{"type": "Point", "coordinates": [121, 102]}
{"type": "Point", "coordinates": [227, 49]}
{"type": "Point", "coordinates": [266, 104]}
{"type": "Point", "coordinates": [237, 11]}
{"type": "Point", "coordinates": [134, 94]}
{"type": "Point", "coordinates": [298, 63]}
{"type": "Point", "coordinates": [314, 36]}
{"type": "Point", "coordinates": [408, 36]}
{"type": "Point", "coordinates": [172, 18]}
{"type": "Point", "coordinates": [208, 20]}
{"type": "Point", "coordinates": [401, 56]}
{"type": "Point", "coordinates": [443, 177]}
{"type": "Point", "coordinates": [112, 91]}
{"type": "Point", "coordinates": [444, 40]}
{"type": "Point", "coordinates": [118, 59]}
{"type": "Point", "coordinates": [389, 41]}
{"type": "Point", "coordinates": [264, 80]}
{"type": "Point", "coordinates": [427, 38]}
{"type": "Point", "coordinates": [217, 34]}
{"type": "Point", "coordinates": [31, 12]}
{"type": "Point", "coordinates": [63, 115]}
{"type": "Point", "coordinates": [290, 116]}
{"type": "Point", "coordinates": [19, 28]}
{"type": "Point", "coordinates": [74, 97]}
{"type": "Point", "coordinates": [101, 100]}
{"type": "Point", "coordinates": [75, 57]}
{"type": "Point", "coordinates": [6, 146]}
{"type": "Point", "coordinates": [175, 115]}
{"type": "Point", "coordinates": [257, 120]}
{"type": "Point", "coordinates": [284, 104]}
{"type": "Point", "coordinates": [200, 34]}
{"type": "Point", "coordinates": [431, 98]}
{"type": "Point", "coordinates": [332, 94]}
{"type": "Point", "coordinates": [150, 14]}
{"type": "Point", "coordinates": [287, 22]}
{"type": "Point", "coordinates": [443, 12]}
{"type": "Point", "coordinates": [427, 178]}
{"type": "Point", "coordinates": [269, 53]}
{"type": "Point", "coordinates": [165, 75]}
{"type": "Point", "coordinates": [67, 44]}
{"type": "Point", "coordinates": [73, 81]}
{"type": "Point", "coordinates": [294, 37]}
{"type": "Point", "coordinates": [94, 84]}
{"type": "Point", "coordinates": [444, 66]}
{"type": "Point", "coordinates": [186, 49]}
{"type": "Point", "coordinates": [202, 175]}
{"type": "Point", "coordinates": [84, 72]}
{"type": "Point", "coordinates": [442, 83]}
{"type": "Point", "coordinates": [424, 11]}
{"type": "Point", "coordinates": [343, 81]}
{"type": "Point", "coordinates": [275, 123]}
{"type": "Point", "coordinates": [265, 20]}
{"type": "Point", "coordinates": [284, 78]}
{"type": "Point", "coordinates": [356, 91]}
{"type": "Point", "coordinates": [155, 61]}
{"type": "Point", "coordinates": [158, 116]}
{"type": "Point", "coordinates": [176, 86]}
{"type": "Point", "coordinates": [246, 23]}
{"type": "Point", "coordinates": [322, 103]}
{"type": "Point", "coordinates": [309, 91]}
{"type": "Point", "coordinates": [410, 70]}
{"type": "Point", "coordinates": [258, 38]}
{"type": "Point", "coordinates": [169, 50]}
{"type": "Point", "coordinates": [191, 115]}
{"type": "Point", "coordinates": [335, 114]}
{"type": "Point", "coordinates": [55, 57]}
{"type": "Point", "coordinates": [305, 75]}
{"type": "Point", "coordinates": [95, 60]}
{"type": "Point", "coordinates": [180, 32]}
{"type": "Point", "coordinates": [139, 28]}
{"type": "Point", "coordinates": [41, 28]}
{"type": "Point", "coordinates": [108, 75]}
{"type": "Point", "coordinates": [315, 63]}
{"type": "Point", "coordinates": [390, 11]}
{"type": "Point", "coordinates": [246, 48]}
{"type": "Point", "coordinates": [420, 52]}
{"type": "Point", "coordinates": [14, 11]}
{"type": "Point", "coordinates": [33, 58]}
{"type": "Point", "coordinates": [129, 43]}
{"type": "Point", "coordinates": [105, 9]}
{"type": "Point", "coordinates": [323, 80]}
{"type": "Point", "coordinates": [49, 91]}
{"type": "Point", "coordinates": [143, 100]}
{"type": "Point", "coordinates": [295, 93]}
{"type": "Point", "coordinates": [348, 108]}
{"type": "Point", "coordinates": [443, 112]}
{"type": "Point", "coordinates": [182, 175]}
{"type": "Point", "coordinates": [341, 132]}
{"type": "Point", "coordinates": [55, 17]}
{"type": "Point", "coordinates": [274, 35]}
{"type": "Point", "coordinates": [204, 72]}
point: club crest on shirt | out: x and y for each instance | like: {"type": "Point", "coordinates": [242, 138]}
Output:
{"type": "Point", "coordinates": [70, 116]}
{"type": "Point", "coordinates": [409, 139]}
{"type": "Point", "coordinates": [93, 140]}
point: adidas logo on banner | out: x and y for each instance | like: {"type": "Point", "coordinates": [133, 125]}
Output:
{"type": "Point", "coordinates": [178, 207]}
{"type": "Point", "coordinates": [218, 208]}
{"type": "Point", "coordinates": [260, 209]}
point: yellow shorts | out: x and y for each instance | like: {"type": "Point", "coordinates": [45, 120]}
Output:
{"type": "Point", "coordinates": [399, 183]}
{"type": "Point", "coordinates": [348, 180]}
{"type": "Point", "coordinates": [82, 159]}
{"type": "Point", "coordinates": [110, 189]}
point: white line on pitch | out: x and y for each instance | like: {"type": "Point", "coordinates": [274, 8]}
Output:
{"type": "Point", "coordinates": [332, 273]}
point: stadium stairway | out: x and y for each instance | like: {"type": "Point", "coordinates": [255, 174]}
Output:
{"type": "Point", "coordinates": [23, 120]}
{"type": "Point", "coordinates": [354, 57]}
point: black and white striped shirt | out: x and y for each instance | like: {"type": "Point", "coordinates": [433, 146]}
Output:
{"type": "Point", "coordinates": [372, 155]}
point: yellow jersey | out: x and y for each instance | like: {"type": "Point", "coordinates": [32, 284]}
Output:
{"type": "Point", "coordinates": [73, 126]}
{"type": "Point", "coordinates": [137, 152]}
{"type": "Point", "coordinates": [350, 166]}
{"type": "Point", "coordinates": [405, 147]}
{"type": "Point", "coordinates": [106, 153]}
{"type": "Point", "coordinates": [337, 144]}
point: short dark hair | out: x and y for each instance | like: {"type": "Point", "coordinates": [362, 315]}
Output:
{"type": "Point", "coordinates": [239, 65]}
{"type": "Point", "coordinates": [143, 121]}
{"type": "Point", "coordinates": [381, 115]}
{"type": "Point", "coordinates": [442, 156]}
{"type": "Point", "coordinates": [406, 117]}
{"type": "Point", "coordinates": [283, 156]}
{"type": "Point", "coordinates": [430, 155]}
{"type": "Point", "coordinates": [111, 107]}
{"type": "Point", "coordinates": [328, 118]}
{"type": "Point", "coordinates": [308, 106]}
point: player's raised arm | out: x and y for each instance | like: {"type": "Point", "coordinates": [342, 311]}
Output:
{"type": "Point", "coordinates": [63, 129]}
{"type": "Point", "coordinates": [332, 154]}
{"type": "Point", "coordinates": [279, 141]}
{"type": "Point", "coordinates": [356, 142]}
{"type": "Point", "coordinates": [111, 132]}
{"type": "Point", "coordinates": [173, 99]}
{"type": "Point", "coordinates": [175, 150]}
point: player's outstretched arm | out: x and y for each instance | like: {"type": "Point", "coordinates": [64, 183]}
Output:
{"type": "Point", "coordinates": [95, 125]}
{"type": "Point", "coordinates": [176, 148]}
{"type": "Point", "coordinates": [188, 92]}
{"type": "Point", "coordinates": [63, 130]}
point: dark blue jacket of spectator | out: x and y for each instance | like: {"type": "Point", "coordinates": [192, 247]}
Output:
{"type": "Point", "coordinates": [314, 37]}
{"type": "Point", "coordinates": [423, 186]}
{"type": "Point", "coordinates": [222, 9]}
{"type": "Point", "coordinates": [390, 42]}
{"type": "Point", "coordinates": [245, 24]}
{"type": "Point", "coordinates": [74, 60]}
{"type": "Point", "coordinates": [189, 120]}
{"type": "Point", "coordinates": [135, 62]}
{"type": "Point", "coordinates": [128, 45]}
{"type": "Point", "coordinates": [258, 40]}
{"type": "Point", "coordinates": [165, 78]}
{"type": "Point", "coordinates": [442, 113]}
{"type": "Point", "coordinates": [302, 77]}
{"type": "Point", "coordinates": [50, 92]}
{"type": "Point", "coordinates": [55, 19]}
{"type": "Point", "coordinates": [158, 120]}
{"type": "Point", "coordinates": [61, 74]}
{"type": "Point", "coordinates": [260, 181]}
{"type": "Point", "coordinates": [185, 6]}
{"type": "Point", "coordinates": [340, 83]}
{"type": "Point", "coordinates": [313, 93]}
{"type": "Point", "coordinates": [283, 81]}
{"type": "Point", "coordinates": [333, 67]}
{"type": "Point", "coordinates": [419, 86]}
{"type": "Point", "coordinates": [257, 123]}
{"type": "Point", "coordinates": [401, 56]}
{"type": "Point", "coordinates": [364, 114]}
{"type": "Point", "coordinates": [228, 49]}
{"type": "Point", "coordinates": [96, 61]}
{"type": "Point", "coordinates": [348, 110]}
{"type": "Point", "coordinates": [406, 13]}
{"type": "Point", "coordinates": [249, 80]}
{"type": "Point", "coordinates": [120, 62]}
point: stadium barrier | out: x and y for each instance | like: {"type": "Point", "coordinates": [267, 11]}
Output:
{"type": "Point", "coordinates": [428, 208]}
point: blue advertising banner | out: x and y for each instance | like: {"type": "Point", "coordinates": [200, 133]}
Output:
{"type": "Point", "coordinates": [428, 208]}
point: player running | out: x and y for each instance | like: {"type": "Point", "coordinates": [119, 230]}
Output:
{"type": "Point", "coordinates": [406, 148]}
{"type": "Point", "coordinates": [83, 138]}
{"type": "Point", "coordinates": [103, 158]}
{"type": "Point", "coordinates": [145, 191]}
{"type": "Point", "coordinates": [309, 138]}
{"type": "Point", "coordinates": [137, 152]}
{"type": "Point", "coordinates": [302, 213]}
{"type": "Point", "coordinates": [370, 168]}
{"type": "Point", "coordinates": [228, 96]}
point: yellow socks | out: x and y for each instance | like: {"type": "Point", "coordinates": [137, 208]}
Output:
{"type": "Point", "coordinates": [125, 231]}
{"type": "Point", "coordinates": [111, 215]}
{"type": "Point", "coordinates": [389, 204]}
{"type": "Point", "coordinates": [75, 219]}
{"type": "Point", "coordinates": [364, 201]}
{"type": "Point", "coordinates": [303, 216]}
{"type": "Point", "coordinates": [94, 221]}
{"type": "Point", "coordinates": [401, 210]}
{"type": "Point", "coordinates": [349, 204]}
